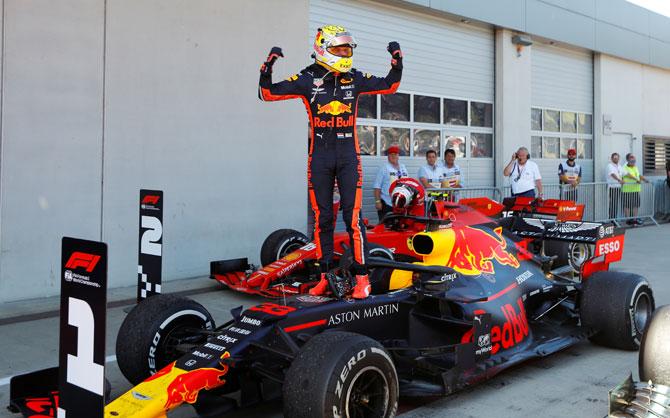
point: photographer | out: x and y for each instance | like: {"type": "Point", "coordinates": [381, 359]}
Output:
{"type": "Point", "coordinates": [525, 175]}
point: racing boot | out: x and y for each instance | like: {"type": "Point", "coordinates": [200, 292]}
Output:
{"type": "Point", "coordinates": [320, 287]}
{"type": "Point", "coordinates": [362, 288]}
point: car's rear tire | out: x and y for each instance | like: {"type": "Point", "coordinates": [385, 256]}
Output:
{"type": "Point", "coordinates": [655, 350]}
{"type": "Point", "coordinates": [148, 336]}
{"type": "Point", "coordinates": [281, 243]}
{"type": "Point", "coordinates": [374, 250]}
{"type": "Point", "coordinates": [617, 306]}
{"type": "Point", "coordinates": [341, 374]}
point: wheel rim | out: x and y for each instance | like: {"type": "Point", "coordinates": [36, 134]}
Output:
{"type": "Point", "coordinates": [380, 252]}
{"type": "Point", "coordinates": [368, 394]}
{"type": "Point", "coordinates": [579, 253]}
{"type": "Point", "coordinates": [288, 248]}
{"type": "Point", "coordinates": [180, 333]}
{"type": "Point", "coordinates": [641, 311]}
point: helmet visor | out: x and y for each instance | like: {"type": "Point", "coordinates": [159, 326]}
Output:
{"type": "Point", "coordinates": [344, 51]}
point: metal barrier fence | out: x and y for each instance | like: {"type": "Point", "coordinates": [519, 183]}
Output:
{"type": "Point", "coordinates": [662, 203]}
{"type": "Point", "coordinates": [601, 202]}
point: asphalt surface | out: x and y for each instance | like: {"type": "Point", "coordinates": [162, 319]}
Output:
{"type": "Point", "coordinates": [571, 383]}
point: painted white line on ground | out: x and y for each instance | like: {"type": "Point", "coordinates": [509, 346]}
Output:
{"type": "Point", "coordinates": [4, 381]}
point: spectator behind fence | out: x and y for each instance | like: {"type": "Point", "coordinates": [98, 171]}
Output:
{"type": "Point", "coordinates": [452, 177]}
{"type": "Point", "coordinates": [630, 190]}
{"type": "Point", "coordinates": [431, 174]}
{"type": "Point", "coordinates": [525, 175]}
{"type": "Point", "coordinates": [389, 172]}
{"type": "Point", "coordinates": [452, 174]}
{"type": "Point", "coordinates": [614, 182]}
{"type": "Point", "coordinates": [569, 176]}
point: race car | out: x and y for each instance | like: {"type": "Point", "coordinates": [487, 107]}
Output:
{"type": "Point", "coordinates": [431, 327]}
{"type": "Point", "coordinates": [288, 257]}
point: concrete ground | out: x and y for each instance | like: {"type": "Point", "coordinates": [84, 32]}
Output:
{"type": "Point", "coordinates": [572, 383]}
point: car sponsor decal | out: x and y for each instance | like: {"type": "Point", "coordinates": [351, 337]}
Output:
{"type": "Point", "coordinates": [474, 249]}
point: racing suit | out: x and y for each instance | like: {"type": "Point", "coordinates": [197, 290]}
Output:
{"type": "Point", "coordinates": [331, 101]}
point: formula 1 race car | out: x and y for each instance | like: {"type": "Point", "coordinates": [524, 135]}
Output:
{"type": "Point", "coordinates": [288, 257]}
{"type": "Point", "coordinates": [476, 303]}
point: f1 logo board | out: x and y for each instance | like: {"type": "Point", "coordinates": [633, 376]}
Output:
{"type": "Point", "coordinates": [81, 379]}
{"type": "Point", "coordinates": [150, 250]}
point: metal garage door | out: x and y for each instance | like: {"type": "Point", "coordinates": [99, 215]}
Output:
{"type": "Point", "coordinates": [446, 94]}
{"type": "Point", "coordinates": [562, 108]}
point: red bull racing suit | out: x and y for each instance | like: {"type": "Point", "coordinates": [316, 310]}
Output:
{"type": "Point", "coordinates": [331, 101]}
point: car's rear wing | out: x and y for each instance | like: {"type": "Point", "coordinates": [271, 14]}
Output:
{"type": "Point", "coordinates": [571, 231]}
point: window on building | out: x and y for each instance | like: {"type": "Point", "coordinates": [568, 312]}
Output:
{"type": "Point", "coordinates": [536, 119]}
{"type": "Point", "coordinates": [426, 109]}
{"type": "Point", "coordinates": [457, 143]}
{"type": "Point", "coordinates": [395, 106]}
{"type": "Point", "coordinates": [367, 139]}
{"type": "Point", "coordinates": [426, 139]}
{"type": "Point", "coordinates": [569, 122]}
{"type": "Point", "coordinates": [419, 122]}
{"type": "Point", "coordinates": [367, 106]}
{"type": "Point", "coordinates": [481, 114]}
{"type": "Point", "coordinates": [585, 123]}
{"type": "Point", "coordinates": [656, 154]}
{"type": "Point", "coordinates": [550, 147]}
{"type": "Point", "coordinates": [566, 129]}
{"type": "Point", "coordinates": [536, 146]}
{"type": "Point", "coordinates": [395, 136]}
{"type": "Point", "coordinates": [455, 112]}
{"type": "Point", "coordinates": [481, 145]}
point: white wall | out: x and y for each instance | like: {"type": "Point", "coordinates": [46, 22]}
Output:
{"type": "Point", "coordinates": [98, 103]}
{"type": "Point", "coordinates": [637, 97]}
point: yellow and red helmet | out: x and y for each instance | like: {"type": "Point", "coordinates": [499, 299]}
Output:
{"type": "Point", "coordinates": [333, 48]}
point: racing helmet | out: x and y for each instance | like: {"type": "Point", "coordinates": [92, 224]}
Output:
{"type": "Point", "coordinates": [406, 192]}
{"type": "Point", "coordinates": [328, 37]}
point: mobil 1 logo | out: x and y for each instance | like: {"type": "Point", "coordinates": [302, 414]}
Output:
{"type": "Point", "coordinates": [81, 379]}
{"type": "Point", "coordinates": [150, 249]}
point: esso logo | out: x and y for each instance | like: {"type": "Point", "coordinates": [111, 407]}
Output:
{"type": "Point", "coordinates": [609, 247]}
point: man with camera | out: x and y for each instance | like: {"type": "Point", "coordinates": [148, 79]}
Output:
{"type": "Point", "coordinates": [525, 175]}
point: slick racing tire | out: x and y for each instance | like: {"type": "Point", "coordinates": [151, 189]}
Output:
{"type": "Point", "coordinates": [617, 306]}
{"type": "Point", "coordinates": [374, 250]}
{"type": "Point", "coordinates": [280, 243]}
{"type": "Point", "coordinates": [149, 335]}
{"type": "Point", "coordinates": [343, 375]}
{"type": "Point", "coordinates": [655, 350]}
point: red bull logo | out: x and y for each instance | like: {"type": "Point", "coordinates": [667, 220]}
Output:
{"type": "Point", "coordinates": [334, 108]}
{"type": "Point", "coordinates": [334, 122]}
{"type": "Point", "coordinates": [474, 249]}
{"type": "Point", "coordinates": [187, 386]}
{"type": "Point", "coordinates": [508, 334]}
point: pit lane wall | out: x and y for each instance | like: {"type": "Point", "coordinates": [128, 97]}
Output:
{"type": "Point", "coordinates": [102, 98]}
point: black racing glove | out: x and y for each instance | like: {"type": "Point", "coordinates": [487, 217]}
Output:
{"type": "Point", "coordinates": [274, 54]}
{"type": "Point", "coordinates": [396, 54]}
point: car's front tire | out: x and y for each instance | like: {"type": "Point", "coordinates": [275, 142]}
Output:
{"type": "Point", "coordinates": [148, 337]}
{"type": "Point", "coordinates": [341, 374]}
{"type": "Point", "coordinates": [280, 243]}
{"type": "Point", "coordinates": [617, 306]}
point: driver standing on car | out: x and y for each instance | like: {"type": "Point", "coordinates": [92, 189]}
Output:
{"type": "Point", "coordinates": [329, 89]}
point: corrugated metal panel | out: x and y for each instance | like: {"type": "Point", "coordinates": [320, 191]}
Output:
{"type": "Point", "coordinates": [562, 78]}
{"type": "Point", "coordinates": [442, 57]}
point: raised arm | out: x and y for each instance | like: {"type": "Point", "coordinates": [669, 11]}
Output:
{"type": "Point", "coordinates": [286, 89]}
{"type": "Point", "coordinates": [369, 84]}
